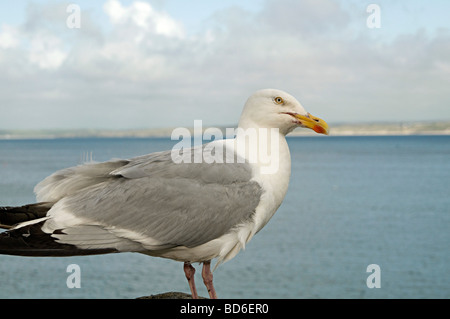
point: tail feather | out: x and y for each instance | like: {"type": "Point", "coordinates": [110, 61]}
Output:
{"type": "Point", "coordinates": [29, 239]}
{"type": "Point", "coordinates": [10, 216]}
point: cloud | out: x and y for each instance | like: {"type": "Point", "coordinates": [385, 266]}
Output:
{"type": "Point", "coordinates": [144, 17]}
{"type": "Point", "coordinates": [46, 51]}
{"type": "Point", "coordinates": [307, 18]}
{"type": "Point", "coordinates": [8, 37]}
{"type": "Point", "coordinates": [147, 70]}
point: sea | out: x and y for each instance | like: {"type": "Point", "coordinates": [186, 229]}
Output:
{"type": "Point", "coordinates": [364, 217]}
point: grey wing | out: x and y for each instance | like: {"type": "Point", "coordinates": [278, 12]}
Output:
{"type": "Point", "coordinates": [70, 180]}
{"type": "Point", "coordinates": [173, 204]}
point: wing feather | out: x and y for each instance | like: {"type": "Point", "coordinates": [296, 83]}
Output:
{"type": "Point", "coordinates": [152, 199]}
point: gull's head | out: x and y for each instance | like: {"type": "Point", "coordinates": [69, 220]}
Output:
{"type": "Point", "coordinates": [272, 108]}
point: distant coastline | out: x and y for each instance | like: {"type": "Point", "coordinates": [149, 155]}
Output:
{"type": "Point", "coordinates": [401, 128]}
{"type": "Point", "coordinates": [338, 129]}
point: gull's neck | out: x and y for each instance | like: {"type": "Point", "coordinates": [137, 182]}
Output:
{"type": "Point", "coordinates": [268, 153]}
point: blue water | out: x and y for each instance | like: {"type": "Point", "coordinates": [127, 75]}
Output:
{"type": "Point", "coordinates": [352, 202]}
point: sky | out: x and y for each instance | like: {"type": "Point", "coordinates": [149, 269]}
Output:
{"type": "Point", "coordinates": [128, 64]}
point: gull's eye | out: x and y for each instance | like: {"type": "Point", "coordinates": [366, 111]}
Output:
{"type": "Point", "coordinates": [278, 100]}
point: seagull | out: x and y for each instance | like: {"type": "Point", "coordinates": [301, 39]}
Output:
{"type": "Point", "coordinates": [166, 204]}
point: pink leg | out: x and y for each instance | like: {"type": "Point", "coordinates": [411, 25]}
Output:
{"type": "Point", "coordinates": [208, 279]}
{"type": "Point", "coordinates": [189, 271]}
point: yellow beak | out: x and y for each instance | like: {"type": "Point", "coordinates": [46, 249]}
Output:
{"type": "Point", "coordinates": [314, 123]}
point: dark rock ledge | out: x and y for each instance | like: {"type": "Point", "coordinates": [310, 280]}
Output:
{"type": "Point", "coordinates": [170, 295]}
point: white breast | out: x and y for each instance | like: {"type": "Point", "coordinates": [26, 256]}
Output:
{"type": "Point", "coordinates": [275, 183]}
